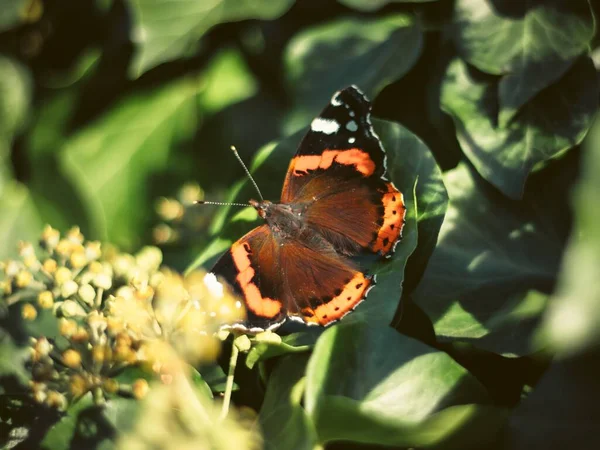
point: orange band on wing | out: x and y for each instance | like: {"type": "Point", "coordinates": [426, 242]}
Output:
{"type": "Point", "coordinates": [393, 220]}
{"type": "Point", "coordinates": [352, 294]}
{"type": "Point", "coordinates": [351, 157]}
{"type": "Point", "coordinates": [259, 305]}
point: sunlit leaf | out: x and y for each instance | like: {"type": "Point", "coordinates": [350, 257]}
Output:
{"type": "Point", "coordinates": [572, 323]}
{"type": "Point", "coordinates": [532, 43]}
{"type": "Point", "coordinates": [372, 5]}
{"type": "Point", "coordinates": [369, 53]}
{"type": "Point", "coordinates": [19, 220]}
{"type": "Point", "coordinates": [491, 256]}
{"type": "Point", "coordinates": [112, 160]}
{"type": "Point", "coordinates": [374, 385]}
{"type": "Point", "coordinates": [283, 420]}
{"type": "Point", "coordinates": [556, 120]}
{"type": "Point", "coordinates": [165, 30]}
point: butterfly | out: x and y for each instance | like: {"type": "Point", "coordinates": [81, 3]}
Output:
{"type": "Point", "coordinates": [336, 203]}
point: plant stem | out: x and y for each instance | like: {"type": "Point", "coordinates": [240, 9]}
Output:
{"type": "Point", "coordinates": [229, 384]}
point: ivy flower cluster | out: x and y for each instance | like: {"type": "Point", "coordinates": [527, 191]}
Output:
{"type": "Point", "coordinates": [113, 311]}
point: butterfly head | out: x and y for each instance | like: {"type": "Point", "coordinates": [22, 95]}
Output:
{"type": "Point", "coordinates": [263, 207]}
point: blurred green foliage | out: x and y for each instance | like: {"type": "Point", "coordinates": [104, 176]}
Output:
{"type": "Point", "coordinates": [483, 106]}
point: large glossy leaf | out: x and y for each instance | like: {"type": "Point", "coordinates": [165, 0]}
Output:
{"type": "Point", "coordinates": [572, 323]}
{"type": "Point", "coordinates": [562, 411]}
{"type": "Point", "coordinates": [373, 385]}
{"type": "Point", "coordinates": [165, 30]}
{"type": "Point", "coordinates": [410, 166]}
{"type": "Point", "coordinates": [533, 43]}
{"type": "Point", "coordinates": [556, 120]}
{"type": "Point", "coordinates": [368, 53]}
{"type": "Point", "coordinates": [492, 255]}
{"type": "Point", "coordinates": [372, 5]}
{"type": "Point", "coordinates": [112, 160]}
{"type": "Point", "coordinates": [283, 420]}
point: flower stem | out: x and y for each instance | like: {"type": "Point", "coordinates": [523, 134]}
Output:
{"type": "Point", "coordinates": [229, 384]}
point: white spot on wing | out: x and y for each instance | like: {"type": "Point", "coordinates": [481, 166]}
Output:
{"type": "Point", "coordinates": [326, 126]}
{"type": "Point", "coordinates": [351, 113]}
{"type": "Point", "coordinates": [351, 140]}
{"type": "Point", "coordinates": [214, 286]}
{"type": "Point", "coordinates": [335, 100]}
{"type": "Point", "coordinates": [351, 126]}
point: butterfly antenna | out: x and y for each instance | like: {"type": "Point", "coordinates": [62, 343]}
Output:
{"type": "Point", "coordinates": [202, 202]}
{"type": "Point", "coordinates": [237, 155]}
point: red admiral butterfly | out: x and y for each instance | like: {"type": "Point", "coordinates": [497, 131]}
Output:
{"type": "Point", "coordinates": [336, 203]}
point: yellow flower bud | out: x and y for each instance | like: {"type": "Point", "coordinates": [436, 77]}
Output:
{"type": "Point", "coordinates": [87, 293]}
{"type": "Point", "coordinates": [68, 288]}
{"type": "Point", "coordinates": [45, 299]}
{"type": "Point", "coordinates": [50, 237]}
{"type": "Point", "coordinates": [78, 259]}
{"type": "Point", "coordinates": [64, 248]}
{"type": "Point", "coordinates": [78, 385]}
{"type": "Point", "coordinates": [81, 335]}
{"type": "Point", "coordinates": [50, 266]}
{"type": "Point", "coordinates": [67, 327]}
{"type": "Point", "coordinates": [140, 388]}
{"type": "Point", "coordinates": [96, 267]}
{"type": "Point", "coordinates": [56, 400]}
{"type": "Point", "coordinates": [42, 346]}
{"type": "Point", "coordinates": [110, 385]}
{"type": "Point", "coordinates": [102, 281]}
{"type": "Point", "coordinates": [74, 235]}
{"type": "Point", "coordinates": [71, 358]}
{"type": "Point", "coordinates": [29, 312]}
{"type": "Point", "coordinates": [62, 275]}
{"type": "Point", "coordinates": [23, 279]}
{"type": "Point", "coordinates": [93, 250]}
{"type": "Point", "coordinates": [71, 308]}
{"type": "Point", "coordinates": [5, 288]}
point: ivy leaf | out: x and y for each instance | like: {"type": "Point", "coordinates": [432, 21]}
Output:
{"type": "Point", "coordinates": [292, 343]}
{"type": "Point", "coordinates": [283, 420]}
{"type": "Point", "coordinates": [496, 259]}
{"type": "Point", "coordinates": [165, 30]}
{"type": "Point", "coordinates": [556, 120]}
{"type": "Point", "coordinates": [572, 323]}
{"type": "Point", "coordinates": [59, 437]}
{"type": "Point", "coordinates": [373, 385]}
{"type": "Point", "coordinates": [368, 53]}
{"type": "Point", "coordinates": [530, 44]}
{"type": "Point", "coordinates": [112, 161]}
{"type": "Point", "coordinates": [373, 5]}
{"type": "Point", "coordinates": [19, 220]}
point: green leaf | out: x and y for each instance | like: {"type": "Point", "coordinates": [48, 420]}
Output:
{"type": "Point", "coordinates": [12, 359]}
{"type": "Point", "coordinates": [373, 385]}
{"type": "Point", "coordinates": [15, 98]}
{"type": "Point", "coordinates": [15, 12]}
{"type": "Point", "coordinates": [532, 43]}
{"type": "Point", "coordinates": [572, 323]}
{"type": "Point", "coordinates": [199, 384]}
{"type": "Point", "coordinates": [292, 343]}
{"type": "Point", "coordinates": [60, 435]}
{"type": "Point", "coordinates": [165, 30]}
{"type": "Point", "coordinates": [284, 422]}
{"type": "Point", "coordinates": [562, 411]}
{"type": "Point", "coordinates": [369, 53]}
{"type": "Point", "coordinates": [491, 256]}
{"type": "Point", "coordinates": [19, 219]}
{"type": "Point", "coordinates": [372, 5]}
{"type": "Point", "coordinates": [112, 160]}
{"type": "Point", "coordinates": [556, 120]}
{"type": "Point", "coordinates": [226, 81]}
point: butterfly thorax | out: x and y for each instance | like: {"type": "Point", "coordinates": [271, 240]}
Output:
{"type": "Point", "coordinates": [285, 220]}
